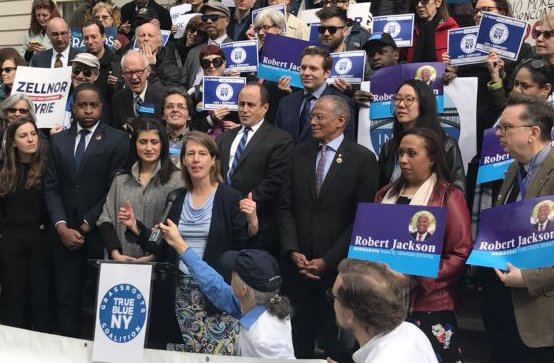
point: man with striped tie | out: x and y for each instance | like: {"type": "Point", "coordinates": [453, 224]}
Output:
{"type": "Point", "coordinates": [254, 159]}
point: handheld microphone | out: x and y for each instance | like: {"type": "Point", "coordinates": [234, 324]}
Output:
{"type": "Point", "coordinates": [156, 234]}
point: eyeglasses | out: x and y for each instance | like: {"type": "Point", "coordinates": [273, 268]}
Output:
{"type": "Point", "coordinates": [408, 100]}
{"type": "Point", "coordinates": [193, 29]}
{"type": "Point", "coordinates": [86, 72]}
{"type": "Point", "coordinates": [179, 106]}
{"type": "Point", "coordinates": [330, 296]}
{"type": "Point", "coordinates": [503, 128]}
{"type": "Point", "coordinates": [130, 74]}
{"type": "Point", "coordinates": [331, 29]}
{"type": "Point", "coordinates": [102, 17]}
{"type": "Point", "coordinates": [484, 8]}
{"type": "Point", "coordinates": [423, 2]}
{"type": "Point", "coordinates": [60, 34]}
{"type": "Point", "coordinates": [216, 62]}
{"type": "Point", "coordinates": [8, 69]}
{"type": "Point", "coordinates": [533, 62]}
{"type": "Point", "coordinates": [265, 28]}
{"type": "Point", "coordinates": [22, 111]}
{"type": "Point", "coordinates": [546, 34]}
{"type": "Point", "coordinates": [212, 17]}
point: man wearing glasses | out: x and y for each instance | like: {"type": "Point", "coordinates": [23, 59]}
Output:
{"type": "Point", "coordinates": [140, 97]}
{"type": "Point", "coordinates": [356, 36]}
{"type": "Point", "coordinates": [61, 53]}
{"type": "Point", "coordinates": [332, 29]}
{"type": "Point", "coordinates": [215, 17]}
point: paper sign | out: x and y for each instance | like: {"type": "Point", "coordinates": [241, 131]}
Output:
{"type": "Point", "coordinates": [222, 92]}
{"type": "Point", "coordinates": [400, 28]}
{"type": "Point", "coordinates": [461, 46]}
{"type": "Point", "coordinates": [349, 66]}
{"type": "Point", "coordinates": [77, 41]}
{"type": "Point", "coordinates": [241, 56]}
{"type": "Point", "coordinates": [501, 34]}
{"type": "Point", "coordinates": [494, 161]}
{"type": "Point", "coordinates": [521, 233]}
{"type": "Point", "coordinates": [359, 13]}
{"type": "Point", "coordinates": [48, 88]}
{"type": "Point", "coordinates": [180, 18]}
{"type": "Point", "coordinates": [123, 305]}
{"type": "Point", "coordinates": [407, 238]}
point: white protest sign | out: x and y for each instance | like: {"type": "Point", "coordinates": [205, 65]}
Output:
{"type": "Point", "coordinates": [357, 12]}
{"type": "Point", "coordinates": [178, 15]}
{"type": "Point", "coordinates": [123, 304]}
{"type": "Point", "coordinates": [48, 88]}
{"type": "Point", "coordinates": [531, 11]}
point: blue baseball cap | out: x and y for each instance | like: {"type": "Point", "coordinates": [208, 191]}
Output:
{"type": "Point", "coordinates": [257, 268]}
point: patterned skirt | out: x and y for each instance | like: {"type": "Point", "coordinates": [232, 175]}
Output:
{"type": "Point", "coordinates": [204, 328]}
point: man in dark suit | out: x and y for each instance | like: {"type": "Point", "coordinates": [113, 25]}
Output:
{"type": "Point", "coordinates": [215, 17]}
{"type": "Point", "coordinates": [294, 109]}
{"type": "Point", "coordinates": [327, 178]}
{"type": "Point", "coordinates": [61, 54]}
{"type": "Point", "coordinates": [240, 19]}
{"type": "Point", "coordinates": [422, 229]}
{"type": "Point", "coordinates": [259, 166]}
{"type": "Point", "coordinates": [543, 223]}
{"type": "Point", "coordinates": [140, 97]}
{"type": "Point", "coordinates": [81, 164]}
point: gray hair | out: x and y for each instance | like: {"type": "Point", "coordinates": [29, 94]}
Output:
{"type": "Point", "coordinates": [340, 106]}
{"type": "Point", "coordinates": [275, 16]}
{"type": "Point", "coordinates": [12, 100]}
{"type": "Point", "coordinates": [276, 304]}
{"type": "Point", "coordinates": [158, 31]}
{"type": "Point", "coordinates": [134, 52]}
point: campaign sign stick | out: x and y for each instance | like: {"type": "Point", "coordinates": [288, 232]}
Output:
{"type": "Point", "coordinates": [385, 82]}
{"type": "Point", "coordinates": [400, 27]}
{"type": "Point", "coordinates": [221, 92]}
{"type": "Point", "coordinates": [521, 233]}
{"type": "Point", "coordinates": [77, 41]}
{"type": "Point", "coordinates": [407, 238]}
{"type": "Point", "coordinates": [48, 88]}
{"type": "Point", "coordinates": [241, 56]}
{"type": "Point", "coordinates": [123, 304]}
{"type": "Point", "coordinates": [349, 66]}
{"type": "Point", "coordinates": [494, 161]}
{"type": "Point", "coordinates": [280, 7]}
{"type": "Point", "coordinates": [281, 57]}
{"type": "Point", "coordinates": [461, 46]}
{"type": "Point", "coordinates": [501, 34]}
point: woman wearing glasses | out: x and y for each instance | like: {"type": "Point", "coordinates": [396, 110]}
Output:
{"type": "Point", "coordinates": [35, 39]}
{"type": "Point", "coordinates": [424, 179]}
{"type": "Point", "coordinates": [213, 62]}
{"type": "Point", "coordinates": [9, 61]}
{"type": "Point", "coordinates": [415, 106]}
{"type": "Point", "coordinates": [195, 34]}
{"type": "Point", "coordinates": [110, 16]}
{"type": "Point", "coordinates": [296, 28]}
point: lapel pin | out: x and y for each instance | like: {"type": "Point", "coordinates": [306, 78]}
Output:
{"type": "Point", "coordinates": [98, 137]}
{"type": "Point", "coordinates": [339, 159]}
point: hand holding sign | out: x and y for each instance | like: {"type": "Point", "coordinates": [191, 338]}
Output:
{"type": "Point", "coordinates": [512, 278]}
{"type": "Point", "coordinates": [495, 65]}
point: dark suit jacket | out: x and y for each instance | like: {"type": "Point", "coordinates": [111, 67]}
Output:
{"type": "Point", "coordinates": [261, 170]}
{"type": "Point", "coordinates": [129, 10]}
{"type": "Point", "coordinates": [123, 107]}
{"type": "Point", "coordinates": [414, 236]}
{"type": "Point", "coordinates": [320, 226]}
{"type": "Point", "coordinates": [192, 64]}
{"type": "Point", "coordinates": [547, 227]}
{"type": "Point", "coordinates": [288, 114]}
{"type": "Point", "coordinates": [73, 195]}
{"type": "Point", "coordinates": [534, 305]}
{"type": "Point", "coordinates": [44, 59]}
{"type": "Point", "coordinates": [231, 27]}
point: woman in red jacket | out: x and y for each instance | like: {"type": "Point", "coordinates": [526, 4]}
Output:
{"type": "Point", "coordinates": [430, 31]}
{"type": "Point", "coordinates": [424, 181]}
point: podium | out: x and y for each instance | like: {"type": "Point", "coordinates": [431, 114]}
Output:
{"type": "Point", "coordinates": [162, 326]}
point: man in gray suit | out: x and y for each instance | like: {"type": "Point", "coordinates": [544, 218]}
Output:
{"type": "Point", "coordinates": [61, 54]}
{"type": "Point", "coordinates": [215, 17]}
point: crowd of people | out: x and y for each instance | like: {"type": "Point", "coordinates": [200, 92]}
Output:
{"type": "Point", "coordinates": [263, 199]}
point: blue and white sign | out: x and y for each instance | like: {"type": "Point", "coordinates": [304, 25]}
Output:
{"type": "Point", "coordinates": [241, 56]}
{"type": "Point", "coordinates": [282, 8]}
{"type": "Point", "coordinates": [400, 28]}
{"type": "Point", "coordinates": [222, 92]}
{"type": "Point", "coordinates": [77, 41]}
{"type": "Point", "coordinates": [314, 35]}
{"type": "Point", "coordinates": [461, 46]}
{"type": "Point", "coordinates": [501, 34]}
{"type": "Point", "coordinates": [494, 161]}
{"type": "Point", "coordinates": [349, 66]}
{"type": "Point", "coordinates": [123, 304]}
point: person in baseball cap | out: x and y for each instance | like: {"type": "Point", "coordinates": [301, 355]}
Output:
{"type": "Point", "coordinates": [381, 51]}
{"type": "Point", "coordinates": [146, 15]}
{"type": "Point", "coordinates": [85, 68]}
{"type": "Point", "coordinates": [215, 5]}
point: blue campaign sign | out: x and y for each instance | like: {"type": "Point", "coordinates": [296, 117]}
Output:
{"type": "Point", "coordinates": [282, 8]}
{"type": "Point", "coordinates": [349, 66]}
{"type": "Point", "coordinates": [400, 27]}
{"type": "Point", "coordinates": [222, 92]}
{"type": "Point", "coordinates": [241, 56]}
{"type": "Point", "coordinates": [461, 46]}
{"type": "Point", "coordinates": [314, 35]}
{"type": "Point", "coordinates": [407, 238]}
{"type": "Point", "coordinates": [520, 233]}
{"type": "Point", "coordinates": [494, 161]}
{"type": "Point", "coordinates": [77, 41]}
{"type": "Point", "coordinates": [501, 34]}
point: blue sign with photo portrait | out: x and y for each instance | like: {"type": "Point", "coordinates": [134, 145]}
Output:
{"type": "Point", "coordinates": [521, 233]}
{"type": "Point", "coordinates": [501, 34]}
{"type": "Point", "coordinates": [400, 27]}
{"type": "Point", "coordinates": [241, 56]}
{"type": "Point", "coordinates": [494, 161]}
{"type": "Point", "coordinates": [77, 41]}
{"type": "Point", "coordinates": [407, 238]}
{"type": "Point", "coordinates": [349, 66]}
{"type": "Point", "coordinates": [222, 92]}
{"type": "Point", "coordinates": [461, 46]}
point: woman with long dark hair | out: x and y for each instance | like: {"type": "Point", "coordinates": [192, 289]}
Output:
{"type": "Point", "coordinates": [24, 248]}
{"type": "Point", "coordinates": [424, 181]}
{"type": "Point", "coordinates": [35, 39]}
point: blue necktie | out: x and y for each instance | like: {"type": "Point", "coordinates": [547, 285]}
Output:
{"type": "Point", "coordinates": [80, 151]}
{"type": "Point", "coordinates": [238, 153]}
{"type": "Point", "coordinates": [306, 111]}
{"type": "Point", "coordinates": [320, 169]}
{"type": "Point", "coordinates": [138, 104]}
